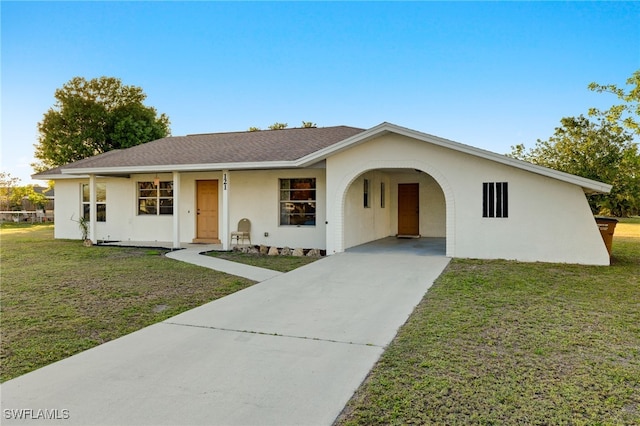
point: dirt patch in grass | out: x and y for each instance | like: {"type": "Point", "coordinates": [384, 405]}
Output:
{"type": "Point", "coordinates": [500, 342]}
{"type": "Point", "coordinates": [59, 298]}
{"type": "Point", "coordinates": [276, 263]}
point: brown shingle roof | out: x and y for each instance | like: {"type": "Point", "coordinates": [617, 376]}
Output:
{"type": "Point", "coordinates": [249, 149]}
{"type": "Point", "coordinates": [221, 148]}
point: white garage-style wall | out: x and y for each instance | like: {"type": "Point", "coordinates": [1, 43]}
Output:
{"type": "Point", "coordinates": [549, 220]}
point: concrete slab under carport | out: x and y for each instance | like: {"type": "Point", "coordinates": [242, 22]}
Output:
{"type": "Point", "coordinates": [289, 350]}
{"type": "Point", "coordinates": [421, 246]}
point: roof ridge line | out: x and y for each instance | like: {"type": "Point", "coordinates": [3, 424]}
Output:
{"type": "Point", "coordinates": [268, 130]}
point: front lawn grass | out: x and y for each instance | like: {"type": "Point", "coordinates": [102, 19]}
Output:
{"type": "Point", "coordinates": [628, 227]}
{"type": "Point", "coordinates": [501, 342]}
{"type": "Point", "coordinates": [59, 298]}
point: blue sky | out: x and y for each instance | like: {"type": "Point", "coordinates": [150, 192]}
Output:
{"type": "Point", "coordinates": [490, 75]}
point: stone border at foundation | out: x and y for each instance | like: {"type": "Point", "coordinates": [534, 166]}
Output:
{"type": "Point", "coordinates": [279, 251]}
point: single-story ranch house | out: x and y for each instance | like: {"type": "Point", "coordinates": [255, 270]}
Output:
{"type": "Point", "coordinates": [331, 188]}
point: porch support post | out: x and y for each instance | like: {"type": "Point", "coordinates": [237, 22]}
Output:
{"type": "Point", "coordinates": [93, 211]}
{"type": "Point", "coordinates": [226, 185]}
{"type": "Point", "coordinates": [176, 210]}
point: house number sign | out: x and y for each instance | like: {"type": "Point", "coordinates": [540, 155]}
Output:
{"type": "Point", "coordinates": [224, 181]}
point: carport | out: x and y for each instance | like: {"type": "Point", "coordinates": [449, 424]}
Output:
{"type": "Point", "coordinates": [389, 202]}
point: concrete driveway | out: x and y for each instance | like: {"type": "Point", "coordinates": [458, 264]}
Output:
{"type": "Point", "coordinates": [290, 350]}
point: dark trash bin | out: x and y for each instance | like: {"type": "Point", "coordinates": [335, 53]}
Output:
{"type": "Point", "coordinates": [607, 226]}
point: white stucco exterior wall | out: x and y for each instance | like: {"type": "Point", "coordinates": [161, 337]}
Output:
{"type": "Point", "coordinates": [362, 223]}
{"type": "Point", "coordinates": [68, 208]}
{"type": "Point", "coordinates": [255, 195]}
{"type": "Point", "coordinates": [387, 153]}
{"type": "Point", "coordinates": [549, 220]}
{"type": "Point", "coordinates": [252, 194]}
{"type": "Point", "coordinates": [122, 223]}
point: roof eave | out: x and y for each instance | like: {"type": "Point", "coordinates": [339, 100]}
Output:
{"type": "Point", "coordinates": [56, 176]}
{"type": "Point", "coordinates": [164, 168]}
{"type": "Point", "coordinates": [589, 186]}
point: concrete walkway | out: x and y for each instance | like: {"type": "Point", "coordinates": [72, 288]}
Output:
{"type": "Point", "coordinates": [191, 254]}
{"type": "Point", "coordinates": [290, 350]}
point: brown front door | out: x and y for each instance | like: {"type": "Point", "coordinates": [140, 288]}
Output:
{"type": "Point", "coordinates": [408, 209]}
{"type": "Point", "coordinates": [207, 211]}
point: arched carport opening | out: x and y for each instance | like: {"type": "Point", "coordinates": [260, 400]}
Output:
{"type": "Point", "coordinates": [370, 204]}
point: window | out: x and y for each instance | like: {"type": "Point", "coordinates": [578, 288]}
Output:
{"type": "Point", "coordinates": [382, 195]}
{"type": "Point", "coordinates": [154, 199]}
{"type": "Point", "coordinates": [298, 202]}
{"type": "Point", "coordinates": [101, 202]}
{"type": "Point", "coordinates": [495, 199]}
{"type": "Point", "coordinates": [366, 193]}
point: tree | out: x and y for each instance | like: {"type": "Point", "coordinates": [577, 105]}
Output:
{"type": "Point", "coordinates": [8, 185]}
{"type": "Point", "coordinates": [12, 195]}
{"type": "Point", "coordinates": [278, 126]}
{"type": "Point", "coordinates": [598, 150]}
{"type": "Point", "coordinates": [22, 193]}
{"type": "Point", "coordinates": [626, 114]}
{"type": "Point", "coordinates": [95, 116]}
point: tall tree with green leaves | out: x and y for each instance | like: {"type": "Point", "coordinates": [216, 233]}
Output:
{"type": "Point", "coordinates": [95, 116]}
{"type": "Point", "coordinates": [8, 184]}
{"type": "Point", "coordinates": [627, 113]}
{"type": "Point", "coordinates": [13, 195]}
{"type": "Point", "coordinates": [598, 150]}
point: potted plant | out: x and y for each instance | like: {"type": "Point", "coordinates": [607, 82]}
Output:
{"type": "Point", "coordinates": [83, 223]}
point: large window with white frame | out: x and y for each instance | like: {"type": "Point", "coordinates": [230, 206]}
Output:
{"type": "Point", "coordinates": [155, 199]}
{"type": "Point", "coordinates": [101, 202]}
{"type": "Point", "coordinates": [298, 201]}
